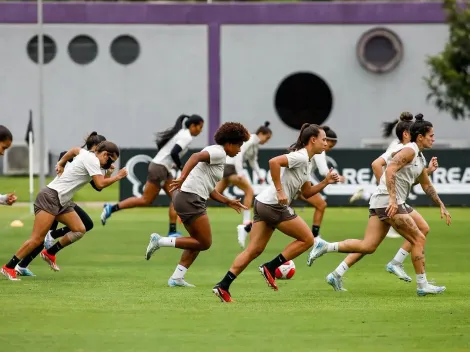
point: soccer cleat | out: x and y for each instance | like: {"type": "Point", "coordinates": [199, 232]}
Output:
{"type": "Point", "coordinates": [153, 245]}
{"type": "Point", "coordinates": [49, 240]}
{"type": "Point", "coordinates": [398, 270]}
{"type": "Point", "coordinates": [23, 271]}
{"type": "Point", "coordinates": [106, 213]}
{"type": "Point", "coordinates": [335, 281]}
{"type": "Point", "coordinates": [10, 274]}
{"type": "Point", "coordinates": [49, 259]}
{"type": "Point", "coordinates": [430, 290]}
{"type": "Point", "coordinates": [317, 251]}
{"type": "Point", "coordinates": [223, 295]}
{"type": "Point", "coordinates": [356, 196]}
{"type": "Point", "coordinates": [175, 234]}
{"type": "Point", "coordinates": [392, 233]}
{"type": "Point", "coordinates": [242, 234]}
{"type": "Point", "coordinates": [268, 277]}
{"type": "Point", "coordinates": [179, 283]}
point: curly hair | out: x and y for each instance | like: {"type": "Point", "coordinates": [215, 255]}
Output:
{"type": "Point", "coordinates": [231, 132]}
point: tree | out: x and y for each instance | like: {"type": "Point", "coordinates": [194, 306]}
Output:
{"type": "Point", "coordinates": [449, 79]}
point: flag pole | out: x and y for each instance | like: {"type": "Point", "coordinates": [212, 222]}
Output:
{"type": "Point", "coordinates": [31, 174]}
{"type": "Point", "coordinates": [41, 139]}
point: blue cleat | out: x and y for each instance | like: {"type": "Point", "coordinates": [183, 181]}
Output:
{"type": "Point", "coordinates": [106, 213]}
{"type": "Point", "coordinates": [175, 234]}
{"type": "Point", "coordinates": [23, 271]}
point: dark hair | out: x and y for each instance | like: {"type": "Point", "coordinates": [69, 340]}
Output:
{"type": "Point", "coordinates": [306, 132]}
{"type": "Point", "coordinates": [5, 134]}
{"type": "Point", "coordinates": [419, 127]}
{"type": "Point", "coordinates": [231, 132]}
{"type": "Point", "coordinates": [401, 127]}
{"type": "Point", "coordinates": [330, 134]}
{"type": "Point", "coordinates": [165, 136]}
{"type": "Point", "coordinates": [107, 146]}
{"type": "Point", "coordinates": [264, 129]}
{"type": "Point", "coordinates": [389, 126]}
{"type": "Point", "coordinates": [93, 139]}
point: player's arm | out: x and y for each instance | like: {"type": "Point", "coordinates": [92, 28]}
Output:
{"type": "Point", "coordinates": [71, 153]}
{"type": "Point", "coordinates": [378, 168]}
{"type": "Point", "coordinates": [309, 190]}
{"type": "Point", "coordinates": [431, 192]}
{"type": "Point", "coordinates": [402, 158]}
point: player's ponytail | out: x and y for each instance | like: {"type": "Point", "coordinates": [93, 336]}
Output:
{"type": "Point", "coordinates": [165, 136]}
{"type": "Point", "coordinates": [93, 140]}
{"type": "Point", "coordinates": [307, 131]}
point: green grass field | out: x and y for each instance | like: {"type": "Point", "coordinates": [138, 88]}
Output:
{"type": "Point", "coordinates": [108, 298]}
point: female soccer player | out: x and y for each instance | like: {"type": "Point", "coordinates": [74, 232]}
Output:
{"type": "Point", "coordinates": [388, 207]}
{"type": "Point", "coordinates": [388, 128]}
{"type": "Point", "coordinates": [92, 141]}
{"type": "Point", "coordinates": [172, 145]}
{"type": "Point", "coordinates": [319, 162]}
{"type": "Point", "coordinates": [233, 174]}
{"type": "Point", "coordinates": [272, 210]}
{"type": "Point", "coordinates": [54, 202]}
{"type": "Point", "coordinates": [196, 184]}
{"type": "Point", "coordinates": [6, 138]}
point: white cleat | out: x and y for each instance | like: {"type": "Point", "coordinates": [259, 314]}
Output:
{"type": "Point", "coordinates": [356, 196]}
{"type": "Point", "coordinates": [179, 283]}
{"type": "Point", "coordinates": [317, 251]}
{"type": "Point", "coordinates": [335, 281]}
{"type": "Point", "coordinates": [48, 241]}
{"type": "Point", "coordinates": [392, 233]}
{"type": "Point", "coordinates": [242, 235]}
{"type": "Point", "coordinates": [430, 290]}
{"type": "Point", "coordinates": [153, 245]}
{"type": "Point", "coordinates": [398, 270]}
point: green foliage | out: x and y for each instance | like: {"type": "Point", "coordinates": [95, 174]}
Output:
{"type": "Point", "coordinates": [449, 79]}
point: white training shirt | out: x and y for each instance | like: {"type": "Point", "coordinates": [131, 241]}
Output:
{"type": "Point", "coordinates": [293, 178]}
{"type": "Point", "coordinates": [249, 153]}
{"type": "Point", "coordinates": [183, 138]}
{"type": "Point", "coordinates": [393, 145]}
{"type": "Point", "coordinates": [405, 178]}
{"type": "Point", "coordinates": [319, 162]}
{"type": "Point", "coordinates": [203, 178]}
{"type": "Point", "coordinates": [76, 175]}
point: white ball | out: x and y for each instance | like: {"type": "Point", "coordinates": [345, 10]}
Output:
{"type": "Point", "coordinates": [286, 271]}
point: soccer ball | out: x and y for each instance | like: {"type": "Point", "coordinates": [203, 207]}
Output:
{"type": "Point", "coordinates": [286, 270]}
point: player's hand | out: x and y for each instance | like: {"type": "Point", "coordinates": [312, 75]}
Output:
{"type": "Point", "coordinates": [236, 205]}
{"type": "Point", "coordinates": [122, 173]}
{"type": "Point", "coordinates": [433, 165]}
{"type": "Point", "coordinates": [11, 198]}
{"type": "Point", "coordinates": [176, 184]}
{"type": "Point", "coordinates": [445, 213]}
{"type": "Point", "coordinates": [282, 198]}
{"type": "Point", "coordinates": [342, 179]}
{"type": "Point", "coordinates": [332, 177]}
{"type": "Point", "coordinates": [59, 169]}
{"type": "Point", "coordinates": [391, 209]}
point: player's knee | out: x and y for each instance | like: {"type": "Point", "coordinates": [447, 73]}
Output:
{"type": "Point", "coordinates": [88, 224]}
{"type": "Point", "coordinates": [369, 248]}
{"type": "Point", "coordinates": [425, 229]}
{"type": "Point", "coordinates": [205, 244]}
{"type": "Point", "coordinates": [322, 206]}
{"type": "Point", "coordinates": [145, 201]}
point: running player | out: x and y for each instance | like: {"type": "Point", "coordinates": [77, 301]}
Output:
{"type": "Point", "coordinates": [172, 145]}
{"type": "Point", "coordinates": [233, 174]}
{"type": "Point", "coordinates": [388, 208]}
{"type": "Point", "coordinates": [196, 184]}
{"type": "Point", "coordinates": [272, 210]}
{"type": "Point", "coordinates": [54, 203]}
{"type": "Point", "coordinates": [92, 141]}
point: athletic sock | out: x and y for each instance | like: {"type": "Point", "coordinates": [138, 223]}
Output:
{"type": "Point", "coordinates": [275, 263]}
{"type": "Point", "coordinates": [227, 280]}
{"type": "Point", "coordinates": [55, 248]}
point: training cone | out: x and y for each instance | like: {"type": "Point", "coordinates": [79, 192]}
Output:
{"type": "Point", "coordinates": [17, 223]}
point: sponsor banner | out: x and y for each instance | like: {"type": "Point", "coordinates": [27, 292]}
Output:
{"type": "Point", "coordinates": [451, 179]}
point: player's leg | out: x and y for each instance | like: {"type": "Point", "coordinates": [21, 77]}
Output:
{"type": "Point", "coordinates": [242, 183]}
{"type": "Point", "coordinates": [320, 205]}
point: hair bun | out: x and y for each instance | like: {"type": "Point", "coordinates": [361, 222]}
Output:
{"type": "Point", "coordinates": [94, 133]}
{"type": "Point", "coordinates": [406, 116]}
{"type": "Point", "coordinates": [267, 123]}
{"type": "Point", "coordinates": [325, 128]}
{"type": "Point", "coordinates": [419, 117]}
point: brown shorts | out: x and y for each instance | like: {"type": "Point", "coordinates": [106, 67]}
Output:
{"type": "Point", "coordinates": [380, 212]}
{"type": "Point", "coordinates": [189, 206]}
{"type": "Point", "coordinates": [158, 174]}
{"type": "Point", "coordinates": [229, 170]}
{"type": "Point", "coordinates": [272, 214]}
{"type": "Point", "coordinates": [48, 200]}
